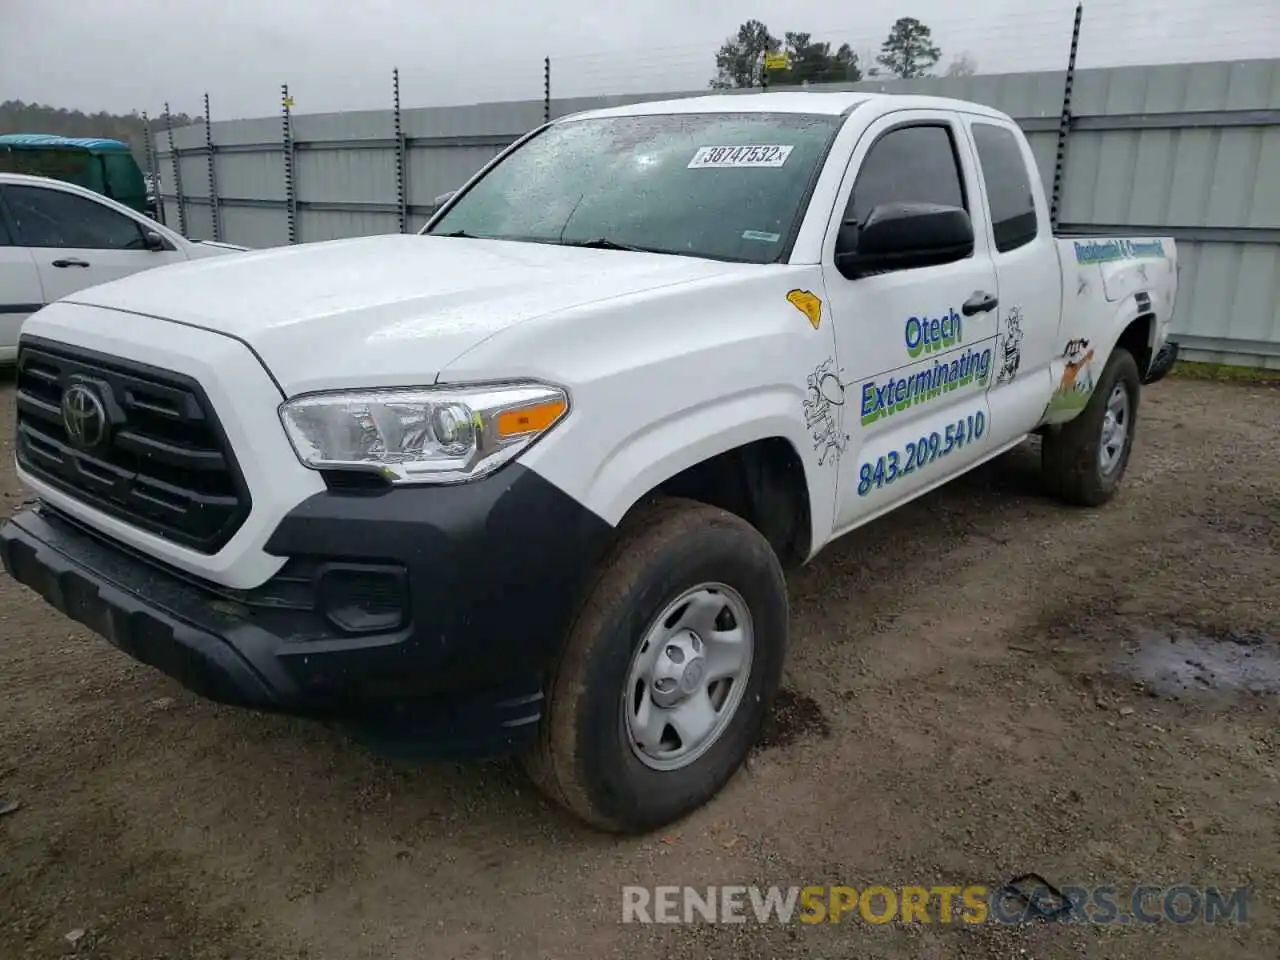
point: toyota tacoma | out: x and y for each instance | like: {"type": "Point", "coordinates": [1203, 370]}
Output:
{"type": "Point", "coordinates": [527, 481]}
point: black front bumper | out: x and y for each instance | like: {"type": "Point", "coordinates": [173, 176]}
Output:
{"type": "Point", "coordinates": [419, 617]}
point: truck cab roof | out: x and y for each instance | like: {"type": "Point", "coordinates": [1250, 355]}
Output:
{"type": "Point", "coordinates": [828, 103]}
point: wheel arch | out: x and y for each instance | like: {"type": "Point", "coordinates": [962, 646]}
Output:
{"type": "Point", "coordinates": [763, 482]}
{"type": "Point", "coordinates": [1137, 322]}
{"type": "Point", "coordinates": [741, 453]}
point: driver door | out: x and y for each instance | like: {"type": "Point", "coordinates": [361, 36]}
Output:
{"type": "Point", "coordinates": [78, 242]}
{"type": "Point", "coordinates": [915, 346]}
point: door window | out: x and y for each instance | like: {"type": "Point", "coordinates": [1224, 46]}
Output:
{"type": "Point", "coordinates": [1008, 183]}
{"type": "Point", "coordinates": [54, 218]}
{"type": "Point", "coordinates": [915, 164]}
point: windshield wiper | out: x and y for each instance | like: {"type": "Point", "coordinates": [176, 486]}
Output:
{"type": "Point", "coordinates": [604, 243]}
{"type": "Point", "coordinates": [457, 233]}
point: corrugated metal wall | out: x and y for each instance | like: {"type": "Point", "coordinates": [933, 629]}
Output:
{"type": "Point", "coordinates": [1189, 150]}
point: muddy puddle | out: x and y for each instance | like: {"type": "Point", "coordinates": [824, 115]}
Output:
{"type": "Point", "coordinates": [795, 716]}
{"type": "Point", "coordinates": [1177, 662]}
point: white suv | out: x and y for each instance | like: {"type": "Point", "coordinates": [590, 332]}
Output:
{"type": "Point", "coordinates": [57, 238]}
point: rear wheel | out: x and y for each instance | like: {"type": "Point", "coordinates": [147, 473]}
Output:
{"type": "Point", "coordinates": [663, 684]}
{"type": "Point", "coordinates": [1085, 458]}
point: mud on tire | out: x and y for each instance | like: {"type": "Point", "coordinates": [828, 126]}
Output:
{"type": "Point", "coordinates": [587, 757]}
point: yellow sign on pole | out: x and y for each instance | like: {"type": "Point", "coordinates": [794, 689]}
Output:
{"type": "Point", "coordinates": [777, 61]}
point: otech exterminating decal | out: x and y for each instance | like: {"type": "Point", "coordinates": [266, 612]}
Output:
{"type": "Point", "coordinates": [925, 335]}
{"type": "Point", "coordinates": [899, 392]}
{"type": "Point", "coordinates": [921, 453]}
{"type": "Point", "coordinates": [808, 303]}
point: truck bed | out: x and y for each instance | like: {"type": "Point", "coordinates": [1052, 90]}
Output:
{"type": "Point", "coordinates": [1103, 275]}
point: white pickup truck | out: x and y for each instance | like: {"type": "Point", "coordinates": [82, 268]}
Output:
{"type": "Point", "coordinates": [527, 481]}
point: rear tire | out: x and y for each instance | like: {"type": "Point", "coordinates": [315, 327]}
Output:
{"type": "Point", "coordinates": [1084, 459]}
{"type": "Point", "coordinates": [628, 743]}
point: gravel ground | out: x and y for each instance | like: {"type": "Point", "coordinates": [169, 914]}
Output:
{"type": "Point", "coordinates": [984, 684]}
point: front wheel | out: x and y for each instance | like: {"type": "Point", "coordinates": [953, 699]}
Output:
{"type": "Point", "coordinates": [663, 684]}
{"type": "Point", "coordinates": [1085, 459]}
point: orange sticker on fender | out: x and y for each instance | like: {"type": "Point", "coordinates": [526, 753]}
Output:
{"type": "Point", "coordinates": [807, 303]}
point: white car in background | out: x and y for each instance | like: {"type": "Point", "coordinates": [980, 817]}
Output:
{"type": "Point", "coordinates": [57, 238]}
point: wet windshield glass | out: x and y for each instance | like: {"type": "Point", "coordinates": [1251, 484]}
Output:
{"type": "Point", "coordinates": [725, 186]}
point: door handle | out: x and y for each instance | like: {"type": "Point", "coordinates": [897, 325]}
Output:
{"type": "Point", "coordinates": [980, 302]}
{"type": "Point", "coordinates": [73, 262]}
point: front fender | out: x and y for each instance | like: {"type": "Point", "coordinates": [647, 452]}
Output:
{"type": "Point", "coordinates": [650, 456]}
{"type": "Point", "coordinates": [670, 378]}
{"type": "Point", "coordinates": [631, 465]}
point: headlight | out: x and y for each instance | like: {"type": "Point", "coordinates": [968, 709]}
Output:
{"type": "Point", "coordinates": [421, 434]}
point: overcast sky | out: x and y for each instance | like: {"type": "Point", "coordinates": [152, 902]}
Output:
{"type": "Point", "coordinates": [122, 55]}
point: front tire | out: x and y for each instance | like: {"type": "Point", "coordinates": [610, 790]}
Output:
{"type": "Point", "coordinates": [663, 685]}
{"type": "Point", "coordinates": [1085, 459]}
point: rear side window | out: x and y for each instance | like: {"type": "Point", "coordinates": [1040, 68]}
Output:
{"type": "Point", "coordinates": [1008, 182]}
{"type": "Point", "coordinates": [908, 165]}
{"type": "Point", "coordinates": [54, 218]}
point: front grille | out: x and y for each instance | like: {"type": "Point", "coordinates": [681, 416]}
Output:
{"type": "Point", "coordinates": [161, 463]}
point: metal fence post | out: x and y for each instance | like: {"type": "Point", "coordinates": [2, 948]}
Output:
{"type": "Point", "coordinates": [177, 171]}
{"type": "Point", "coordinates": [213, 173]}
{"type": "Point", "coordinates": [1064, 122]}
{"type": "Point", "coordinates": [290, 183]}
{"type": "Point", "coordinates": [402, 209]}
{"type": "Point", "coordinates": [148, 151]}
{"type": "Point", "coordinates": [546, 89]}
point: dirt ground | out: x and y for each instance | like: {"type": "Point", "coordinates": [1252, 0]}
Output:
{"type": "Point", "coordinates": [984, 684]}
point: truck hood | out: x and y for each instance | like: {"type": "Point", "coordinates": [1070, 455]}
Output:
{"type": "Point", "coordinates": [388, 309]}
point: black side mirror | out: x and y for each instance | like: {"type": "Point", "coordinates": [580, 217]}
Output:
{"type": "Point", "coordinates": [153, 241]}
{"type": "Point", "coordinates": [897, 236]}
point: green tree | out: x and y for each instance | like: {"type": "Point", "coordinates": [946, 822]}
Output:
{"type": "Point", "coordinates": [738, 63]}
{"type": "Point", "coordinates": [19, 117]}
{"type": "Point", "coordinates": [813, 62]}
{"type": "Point", "coordinates": [909, 50]}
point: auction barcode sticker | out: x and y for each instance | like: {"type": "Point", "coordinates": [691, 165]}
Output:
{"type": "Point", "coordinates": [750, 155]}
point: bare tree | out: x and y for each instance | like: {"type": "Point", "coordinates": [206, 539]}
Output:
{"type": "Point", "coordinates": [962, 66]}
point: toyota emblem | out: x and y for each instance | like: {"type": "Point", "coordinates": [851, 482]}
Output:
{"type": "Point", "coordinates": [83, 416]}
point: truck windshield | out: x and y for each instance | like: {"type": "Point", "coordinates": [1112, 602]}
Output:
{"type": "Point", "coordinates": [722, 186]}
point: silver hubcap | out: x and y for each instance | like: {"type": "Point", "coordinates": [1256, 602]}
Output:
{"type": "Point", "coordinates": [688, 676]}
{"type": "Point", "coordinates": [1115, 429]}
